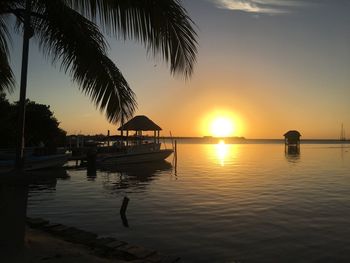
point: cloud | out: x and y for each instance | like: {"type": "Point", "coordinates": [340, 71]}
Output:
{"type": "Point", "coordinates": [259, 6]}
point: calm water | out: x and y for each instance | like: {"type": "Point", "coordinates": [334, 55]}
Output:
{"type": "Point", "coordinates": [223, 203]}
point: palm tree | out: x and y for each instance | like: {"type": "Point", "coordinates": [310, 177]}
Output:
{"type": "Point", "coordinates": [70, 33]}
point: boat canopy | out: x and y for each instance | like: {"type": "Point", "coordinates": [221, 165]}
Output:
{"type": "Point", "coordinates": [140, 123]}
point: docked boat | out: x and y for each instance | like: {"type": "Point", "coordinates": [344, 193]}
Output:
{"type": "Point", "coordinates": [130, 156]}
{"type": "Point", "coordinates": [135, 148]}
{"type": "Point", "coordinates": [34, 162]}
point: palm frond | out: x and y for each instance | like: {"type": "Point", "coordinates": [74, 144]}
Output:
{"type": "Point", "coordinates": [162, 25]}
{"type": "Point", "coordinates": [76, 43]}
{"type": "Point", "coordinates": [7, 79]}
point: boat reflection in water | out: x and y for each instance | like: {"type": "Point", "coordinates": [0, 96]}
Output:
{"type": "Point", "coordinates": [46, 179]}
{"type": "Point", "coordinates": [133, 176]}
{"type": "Point", "coordinates": [125, 179]}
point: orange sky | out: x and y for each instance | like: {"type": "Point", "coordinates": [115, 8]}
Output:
{"type": "Point", "coordinates": [270, 69]}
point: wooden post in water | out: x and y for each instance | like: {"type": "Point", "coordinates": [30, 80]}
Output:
{"type": "Point", "coordinates": [175, 153]}
{"type": "Point", "coordinates": [124, 206]}
{"type": "Point", "coordinates": [91, 160]}
{"type": "Point", "coordinates": [108, 138]}
{"type": "Point", "coordinates": [123, 211]}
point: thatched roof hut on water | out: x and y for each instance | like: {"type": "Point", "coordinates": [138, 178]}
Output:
{"type": "Point", "coordinates": [140, 123]}
{"type": "Point", "coordinates": [292, 138]}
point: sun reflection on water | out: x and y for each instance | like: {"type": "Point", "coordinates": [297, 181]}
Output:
{"type": "Point", "coordinates": [222, 152]}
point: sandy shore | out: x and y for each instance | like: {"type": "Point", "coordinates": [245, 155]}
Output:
{"type": "Point", "coordinates": [43, 247]}
{"type": "Point", "coordinates": [50, 242]}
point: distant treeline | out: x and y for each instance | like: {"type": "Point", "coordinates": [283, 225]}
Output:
{"type": "Point", "coordinates": [205, 138]}
{"type": "Point", "coordinates": [103, 137]}
{"type": "Point", "coordinates": [41, 127]}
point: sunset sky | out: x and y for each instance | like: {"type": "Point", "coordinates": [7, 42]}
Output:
{"type": "Point", "coordinates": [267, 65]}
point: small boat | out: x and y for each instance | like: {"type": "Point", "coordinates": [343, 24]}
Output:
{"type": "Point", "coordinates": [130, 156]}
{"type": "Point", "coordinates": [35, 162]}
{"type": "Point", "coordinates": [137, 148]}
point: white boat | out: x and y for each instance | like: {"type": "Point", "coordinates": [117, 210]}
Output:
{"type": "Point", "coordinates": [136, 148]}
{"type": "Point", "coordinates": [149, 154]}
{"type": "Point", "coordinates": [33, 162]}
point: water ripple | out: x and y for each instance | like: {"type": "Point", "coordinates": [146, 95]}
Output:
{"type": "Point", "coordinates": [249, 203]}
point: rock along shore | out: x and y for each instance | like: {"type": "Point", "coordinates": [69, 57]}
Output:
{"type": "Point", "coordinates": [53, 242]}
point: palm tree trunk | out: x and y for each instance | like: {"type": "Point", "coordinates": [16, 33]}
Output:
{"type": "Point", "coordinates": [23, 87]}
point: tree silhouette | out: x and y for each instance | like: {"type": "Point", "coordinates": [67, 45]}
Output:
{"type": "Point", "coordinates": [41, 126]}
{"type": "Point", "coordinates": [70, 33]}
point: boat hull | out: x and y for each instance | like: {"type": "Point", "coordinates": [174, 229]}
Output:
{"type": "Point", "coordinates": [36, 162]}
{"type": "Point", "coordinates": [130, 158]}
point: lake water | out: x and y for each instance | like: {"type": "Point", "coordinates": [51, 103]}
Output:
{"type": "Point", "coordinates": [223, 203]}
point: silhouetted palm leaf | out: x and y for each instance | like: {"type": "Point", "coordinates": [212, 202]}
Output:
{"type": "Point", "coordinates": [6, 75]}
{"type": "Point", "coordinates": [68, 34]}
{"type": "Point", "coordinates": [162, 25]}
{"type": "Point", "coordinates": [75, 42]}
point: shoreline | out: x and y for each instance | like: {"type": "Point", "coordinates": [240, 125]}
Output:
{"type": "Point", "coordinates": [50, 242]}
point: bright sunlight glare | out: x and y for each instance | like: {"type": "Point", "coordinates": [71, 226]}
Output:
{"type": "Point", "coordinates": [221, 123]}
{"type": "Point", "coordinates": [222, 151]}
{"type": "Point", "coordinates": [222, 127]}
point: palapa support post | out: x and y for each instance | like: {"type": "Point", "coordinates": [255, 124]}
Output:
{"type": "Point", "coordinates": [108, 138]}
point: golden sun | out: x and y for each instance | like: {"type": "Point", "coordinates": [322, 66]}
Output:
{"type": "Point", "coordinates": [222, 127]}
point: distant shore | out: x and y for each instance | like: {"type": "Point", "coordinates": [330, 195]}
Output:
{"type": "Point", "coordinates": [244, 140]}
{"type": "Point", "coordinates": [212, 138]}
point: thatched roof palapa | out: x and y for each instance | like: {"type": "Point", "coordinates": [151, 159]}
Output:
{"type": "Point", "coordinates": [140, 123]}
{"type": "Point", "coordinates": [292, 134]}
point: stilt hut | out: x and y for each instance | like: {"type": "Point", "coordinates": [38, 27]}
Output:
{"type": "Point", "coordinates": [139, 124]}
{"type": "Point", "coordinates": [137, 147]}
{"type": "Point", "coordinates": [292, 141]}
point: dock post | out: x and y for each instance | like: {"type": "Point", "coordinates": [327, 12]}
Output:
{"type": "Point", "coordinates": [124, 206]}
{"type": "Point", "coordinates": [91, 160]}
{"type": "Point", "coordinates": [175, 149]}
{"type": "Point", "coordinates": [175, 154]}
{"type": "Point", "coordinates": [123, 211]}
